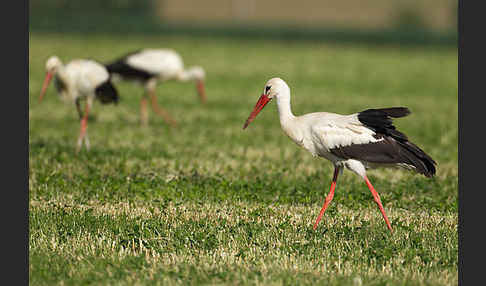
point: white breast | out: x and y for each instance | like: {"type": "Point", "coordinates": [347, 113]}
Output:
{"type": "Point", "coordinates": [86, 75]}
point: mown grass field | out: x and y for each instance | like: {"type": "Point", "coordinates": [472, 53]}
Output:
{"type": "Point", "coordinates": [209, 203]}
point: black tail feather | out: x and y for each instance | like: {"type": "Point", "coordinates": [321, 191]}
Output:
{"type": "Point", "coordinates": [107, 93]}
{"type": "Point", "coordinates": [423, 163]}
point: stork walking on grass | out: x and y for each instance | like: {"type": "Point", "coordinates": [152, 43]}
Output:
{"type": "Point", "coordinates": [148, 66]}
{"type": "Point", "coordinates": [80, 79]}
{"type": "Point", "coordinates": [357, 141]}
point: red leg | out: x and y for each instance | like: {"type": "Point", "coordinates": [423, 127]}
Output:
{"type": "Point", "coordinates": [329, 196]}
{"type": "Point", "coordinates": [143, 110]}
{"type": "Point", "coordinates": [378, 202]}
{"type": "Point", "coordinates": [84, 126]}
{"type": "Point", "coordinates": [161, 112]}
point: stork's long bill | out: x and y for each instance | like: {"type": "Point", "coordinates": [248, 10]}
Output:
{"type": "Point", "coordinates": [45, 85]}
{"type": "Point", "coordinates": [201, 91]}
{"type": "Point", "coordinates": [262, 101]}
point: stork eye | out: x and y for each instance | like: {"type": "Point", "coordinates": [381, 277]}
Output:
{"type": "Point", "coordinates": [267, 88]}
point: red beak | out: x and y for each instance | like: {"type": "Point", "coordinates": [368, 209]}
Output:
{"type": "Point", "coordinates": [262, 101]}
{"type": "Point", "coordinates": [201, 91]}
{"type": "Point", "coordinates": [45, 85]}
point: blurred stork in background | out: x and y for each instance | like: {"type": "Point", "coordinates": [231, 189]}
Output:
{"type": "Point", "coordinates": [77, 80]}
{"type": "Point", "coordinates": [148, 66]}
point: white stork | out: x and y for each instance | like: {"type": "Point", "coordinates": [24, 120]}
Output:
{"type": "Point", "coordinates": [357, 141]}
{"type": "Point", "coordinates": [147, 66]}
{"type": "Point", "coordinates": [77, 80]}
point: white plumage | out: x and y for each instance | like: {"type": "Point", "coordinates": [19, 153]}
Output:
{"type": "Point", "coordinates": [329, 130]}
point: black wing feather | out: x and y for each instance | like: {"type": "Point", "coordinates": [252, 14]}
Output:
{"type": "Point", "coordinates": [394, 148]}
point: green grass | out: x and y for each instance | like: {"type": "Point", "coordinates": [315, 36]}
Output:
{"type": "Point", "coordinates": [209, 203]}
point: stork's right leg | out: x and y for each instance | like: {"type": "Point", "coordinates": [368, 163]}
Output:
{"type": "Point", "coordinates": [358, 167]}
{"type": "Point", "coordinates": [329, 196]}
{"type": "Point", "coordinates": [378, 202]}
{"type": "Point", "coordinates": [84, 126]}
{"type": "Point", "coordinates": [143, 110]}
{"type": "Point", "coordinates": [161, 112]}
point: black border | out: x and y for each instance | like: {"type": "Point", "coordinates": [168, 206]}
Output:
{"type": "Point", "coordinates": [460, 230]}
{"type": "Point", "coordinates": [15, 141]}
{"type": "Point", "coordinates": [471, 266]}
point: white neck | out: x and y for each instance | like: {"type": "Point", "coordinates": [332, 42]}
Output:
{"type": "Point", "coordinates": [61, 74]}
{"type": "Point", "coordinates": [284, 110]}
{"type": "Point", "coordinates": [190, 74]}
{"type": "Point", "coordinates": [185, 76]}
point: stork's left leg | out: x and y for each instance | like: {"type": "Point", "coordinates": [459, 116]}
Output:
{"type": "Point", "coordinates": [165, 115]}
{"type": "Point", "coordinates": [84, 126]}
{"type": "Point", "coordinates": [378, 202]}
{"type": "Point", "coordinates": [329, 196]}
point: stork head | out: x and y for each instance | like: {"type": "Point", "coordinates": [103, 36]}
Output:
{"type": "Point", "coordinates": [52, 65]}
{"type": "Point", "coordinates": [275, 87]}
{"type": "Point", "coordinates": [197, 73]}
